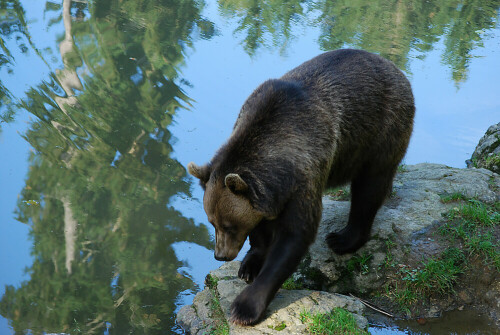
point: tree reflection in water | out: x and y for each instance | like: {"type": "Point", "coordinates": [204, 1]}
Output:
{"type": "Point", "coordinates": [101, 174]}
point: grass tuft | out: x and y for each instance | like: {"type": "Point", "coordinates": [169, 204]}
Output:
{"type": "Point", "coordinates": [474, 222]}
{"type": "Point", "coordinates": [338, 321]}
{"type": "Point", "coordinates": [291, 284]}
{"type": "Point", "coordinates": [452, 197]}
{"type": "Point", "coordinates": [359, 263]}
{"type": "Point", "coordinates": [492, 162]}
{"type": "Point", "coordinates": [437, 275]}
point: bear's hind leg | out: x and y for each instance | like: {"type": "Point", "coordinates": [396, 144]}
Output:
{"type": "Point", "coordinates": [367, 195]}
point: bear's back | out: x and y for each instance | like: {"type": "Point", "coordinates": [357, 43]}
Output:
{"type": "Point", "coordinates": [343, 107]}
{"type": "Point", "coordinates": [366, 101]}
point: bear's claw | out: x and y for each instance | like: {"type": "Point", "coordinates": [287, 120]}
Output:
{"type": "Point", "coordinates": [250, 266]}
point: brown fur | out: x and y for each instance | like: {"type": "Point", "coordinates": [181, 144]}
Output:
{"type": "Point", "coordinates": [344, 116]}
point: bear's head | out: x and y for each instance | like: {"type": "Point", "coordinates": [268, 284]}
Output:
{"type": "Point", "coordinates": [229, 210]}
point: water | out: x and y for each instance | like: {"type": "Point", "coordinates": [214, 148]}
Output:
{"type": "Point", "coordinates": [465, 322]}
{"type": "Point", "coordinates": [103, 103]}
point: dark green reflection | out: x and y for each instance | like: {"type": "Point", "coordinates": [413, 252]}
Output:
{"type": "Point", "coordinates": [12, 26]}
{"type": "Point", "coordinates": [101, 175]}
{"type": "Point", "coordinates": [390, 28]}
{"type": "Point", "coordinates": [260, 17]}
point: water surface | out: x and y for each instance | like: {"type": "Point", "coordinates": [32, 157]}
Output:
{"type": "Point", "coordinates": [104, 102]}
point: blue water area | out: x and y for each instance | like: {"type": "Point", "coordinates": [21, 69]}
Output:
{"type": "Point", "coordinates": [103, 103]}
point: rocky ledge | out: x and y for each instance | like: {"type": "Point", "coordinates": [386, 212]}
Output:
{"type": "Point", "coordinates": [211, 307]}
{"type": "Point", "coordinates": [487, 152]}
{"type": "Point", "coordinates": [434, 248]}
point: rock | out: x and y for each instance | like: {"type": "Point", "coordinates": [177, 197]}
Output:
{"type": "Point", "coordinates": [284, 310]}
{"type": "Point", "coordinates": [487, 153]}
{"type": "Point", "coordinates": [194, 317]}
{"type": "Point", "coordinates": [405, 219]}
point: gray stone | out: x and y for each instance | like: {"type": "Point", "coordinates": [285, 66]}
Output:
{"type": "Point", "coordinates": [197, 317]}
{"type": "Point", "coordinates": [487, 148]}
{"type": "Point", "coordinates": [413, 208]}
{"type": "Point", "coordinates": [285, 308]}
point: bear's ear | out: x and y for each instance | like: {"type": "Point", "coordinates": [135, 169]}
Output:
{"type": "Point", "coordinates": [200, 172]}
{"type": "Point", "coordinates": [234, 182]}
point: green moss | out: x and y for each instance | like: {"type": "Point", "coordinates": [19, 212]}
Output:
{"type": "Point", "coordinates": [279, 327]}
{"type": "Point", "coordinates": [315, 278]}
{"type": "Point", "coordinates": [211, 282]}
{"type": "Point", "coordinates": [338, 321]}
{"type": "Point", "coordinates": [221, 327]}
{"type": "Point", "coordinates": [291, 284]}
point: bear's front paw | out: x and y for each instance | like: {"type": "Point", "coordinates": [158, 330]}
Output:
{"type": "Point", "coordinates": [247, 308]}
{"type": "Point", "coordinates": [250, 266]}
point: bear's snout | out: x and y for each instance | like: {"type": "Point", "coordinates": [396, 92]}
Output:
{"type": "Point", "coordinates": [225, 254]}
{"type": "Point", "coordinates": [227, 246]}
{"type": "Point", "coordinates": [222, 258]}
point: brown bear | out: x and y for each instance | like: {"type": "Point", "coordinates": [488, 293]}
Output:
{"type": "Point", "coordinates": [343, 116]}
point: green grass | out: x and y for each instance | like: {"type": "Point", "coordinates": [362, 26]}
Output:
{"type": "Point", "coordinates": [474, 223]}
{"type": "Point", "coordinates": [452, 197]}
{"type": "Point", "coordinates": [338, 321]}
{"type": "Point", "coordinates": [402, 295]}
{"type": "Point", "coordinates": [471, 225]}
{"type": "Point", "coordinates": [290, 284]}
{"type": "Point", "coordinates": [489, 162]}
{"type": "Point", "coordinates": [436, 275]}
{"type": "Point", "coordinates": [389, 258]}
{"type": "Point", "coordinates": [492, 161]}
{"type": "Point", "coordinates": [475, 211]}
{"type": "Point", "coordinates": [359, 263]}
{"type": "Point", "coordinates": [221, 326]}
{"type": "Point", "coordinates": [440, 275]}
